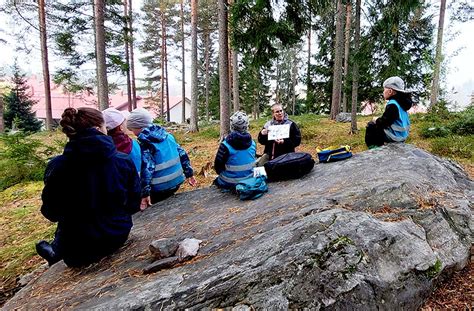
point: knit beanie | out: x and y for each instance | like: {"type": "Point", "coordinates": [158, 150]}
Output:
{"type": "Point", "coordinates": [239, 122]}
{"type": "Point", "coordinates": [112, 118]}
{"type": "Point", "coordinates": [139, 118]}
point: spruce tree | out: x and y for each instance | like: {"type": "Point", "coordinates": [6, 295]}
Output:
{"type": "Point", "coordinates": [18, 105]}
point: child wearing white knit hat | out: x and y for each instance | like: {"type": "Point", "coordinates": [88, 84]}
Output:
{"type": "Point", "coordinates": [114, 119]}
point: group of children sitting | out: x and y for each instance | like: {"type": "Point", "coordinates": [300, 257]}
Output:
{"type": "Point", "coordinates": [93, 188]}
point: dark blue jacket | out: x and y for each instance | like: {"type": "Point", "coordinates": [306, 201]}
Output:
{"type": "Point", "coordinates": [91, 190]}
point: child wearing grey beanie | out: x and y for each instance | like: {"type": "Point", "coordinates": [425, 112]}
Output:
{"type": "Point", "coordinates": [139, 118]}
{"type": "Point", "coordinates": [235, 157]}
{"type": "Point", "coordinates": [165, 165]}
{"type": "Point", "coordinates": [239, 122]}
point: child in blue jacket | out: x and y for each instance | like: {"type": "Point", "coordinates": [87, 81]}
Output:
{"type": "Point", "coordinates": [165, 165]}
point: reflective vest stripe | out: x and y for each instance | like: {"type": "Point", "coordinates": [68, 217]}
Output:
{"type": "Point", "coordinates": [400, 128]}
{"type": "Point", "coordinates": [234, 180]}
{"type": "Point", "coordinates": [393, 137]}
{"type": "Point", "coordinates": [166, 164]}
{"type": "Point", "coordinates": [238, 168]}
{"type": "Point", "coordinates": [163, 179]}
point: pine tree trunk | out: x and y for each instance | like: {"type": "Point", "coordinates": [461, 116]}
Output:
{"type": "Point", "coordinates": [346, 55]}
{"type": "Point", "coordinates": [438, 57]}
{"type": "Point", "coordinates": [308, 69]}
{"type": "Point", "coordinates": [127, 57]}
{"type": "Point", "coordinates": [168, 117]}
{"type": "Point", "coordinates": [294, 71]}
{"type": "Point", "coordinates": [162, 95]}
{"type": "Point", "coordinates": [278, 81]}
{"type": "Point", "coordinates": [338, 55]}
{"type": "Point", "coordinates": [2, 121]}
{"type": "Point", "coordinates": [229, 74]}
{"type": "Point", "coordinates": [223, 70]}
{"type": "Point", "coordinates": [235, 76]}
{"type": "Point", "coordinates": [132, 60]}
{"type": "Point", "coordinates": [102, 84]}
{"type": "Point", "coordinates": [207, 65]}
{"type": "Point", "coordinates": [183, 76]}
{"type": "Point", "coordinates": [193, 126]}
{"type": "Point", "coordinates": [355, 69]}
{"type": "Point", "coordinates": [44, 59]}
{"type": "Point", "coordinates": [255, 104]}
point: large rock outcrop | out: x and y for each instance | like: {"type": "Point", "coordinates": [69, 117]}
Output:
{"type": "Point", "coordinates": [376, 231]}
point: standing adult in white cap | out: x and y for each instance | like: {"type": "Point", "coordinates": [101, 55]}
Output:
{"type": "Point", "coordinates": [165, 165]}
{"type": "Point", "coordinates": [394, 124]}
{"type": "Point", "coordinates": [235, 157]}
{"type": "Point", "coordinates": [114, 123]}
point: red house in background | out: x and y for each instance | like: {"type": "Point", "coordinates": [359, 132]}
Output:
{"type": "Point", "coordinates": [61, 100]}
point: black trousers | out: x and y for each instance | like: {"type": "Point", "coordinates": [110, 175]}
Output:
{"type": "Point", "coordinates": [80, 252]}
{"type": "Point", "coordinates": [374, 136]}
{"type": "Point", "coordinates": [162, 195]}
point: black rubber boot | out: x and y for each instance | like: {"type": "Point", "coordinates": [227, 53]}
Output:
{"type": "Point", "coordinates": [45, 250]}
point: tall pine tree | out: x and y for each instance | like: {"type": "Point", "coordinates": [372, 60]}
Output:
{"type": "Point", "coordinates": [18, 105]}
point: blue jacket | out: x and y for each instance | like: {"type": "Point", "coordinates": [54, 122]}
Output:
{"type": "Point", "coordinates": [398, 131]}
{"type": "Point", "coordinates": [136, 155]}
{"type": "Point", "coordinates": [164, 163]}
{"type": "Point", "coordinates": [91, 190]}
{"type": "Point", "coordinates": [237, 152]}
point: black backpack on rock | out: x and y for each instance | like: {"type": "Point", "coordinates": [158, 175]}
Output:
{"type": "Point", "coordinates": [291, 165]}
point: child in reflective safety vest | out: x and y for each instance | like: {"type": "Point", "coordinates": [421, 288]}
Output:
{"type": "Point", "coordinates": [394, 124]}
{"type": "Point", "coordinates": [235, 158]}
{"type": "Point", "coordinates": [165, 165]}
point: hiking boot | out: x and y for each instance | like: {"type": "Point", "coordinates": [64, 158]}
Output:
{"type": "Point", "coordinates": [45, 250]}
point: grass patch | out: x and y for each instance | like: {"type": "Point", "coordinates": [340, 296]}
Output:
{"type": "Point", "coordinates": [209, 132]}
{"type": "Point", "coordinates": [454, 146]}
{"type": "Point", "coordinates": [22, 225]}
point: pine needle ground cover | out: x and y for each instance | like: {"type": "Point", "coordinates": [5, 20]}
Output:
{"type": "Point", "coordinates": [22, 223]}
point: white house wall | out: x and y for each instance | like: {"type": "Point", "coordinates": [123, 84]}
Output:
{"type": "Point", "coordinates": [176, 112]}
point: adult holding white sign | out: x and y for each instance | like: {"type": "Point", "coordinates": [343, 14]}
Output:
{"type": "Point", "coordinates": [279, 135]}
{"type": "Point", "coordinates": [278, 131]}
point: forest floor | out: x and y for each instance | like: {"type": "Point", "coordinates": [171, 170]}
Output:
{"type": "Point", "coordinates": [22, 224]}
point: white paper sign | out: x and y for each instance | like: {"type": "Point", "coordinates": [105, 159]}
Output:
{"type": "Point", "coordinates": [278, 131]}
{"type": "Point", "coordinates": [259, 171]}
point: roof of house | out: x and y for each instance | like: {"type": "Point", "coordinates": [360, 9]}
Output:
{"type": "Point", "coordinates": [61, 100]}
